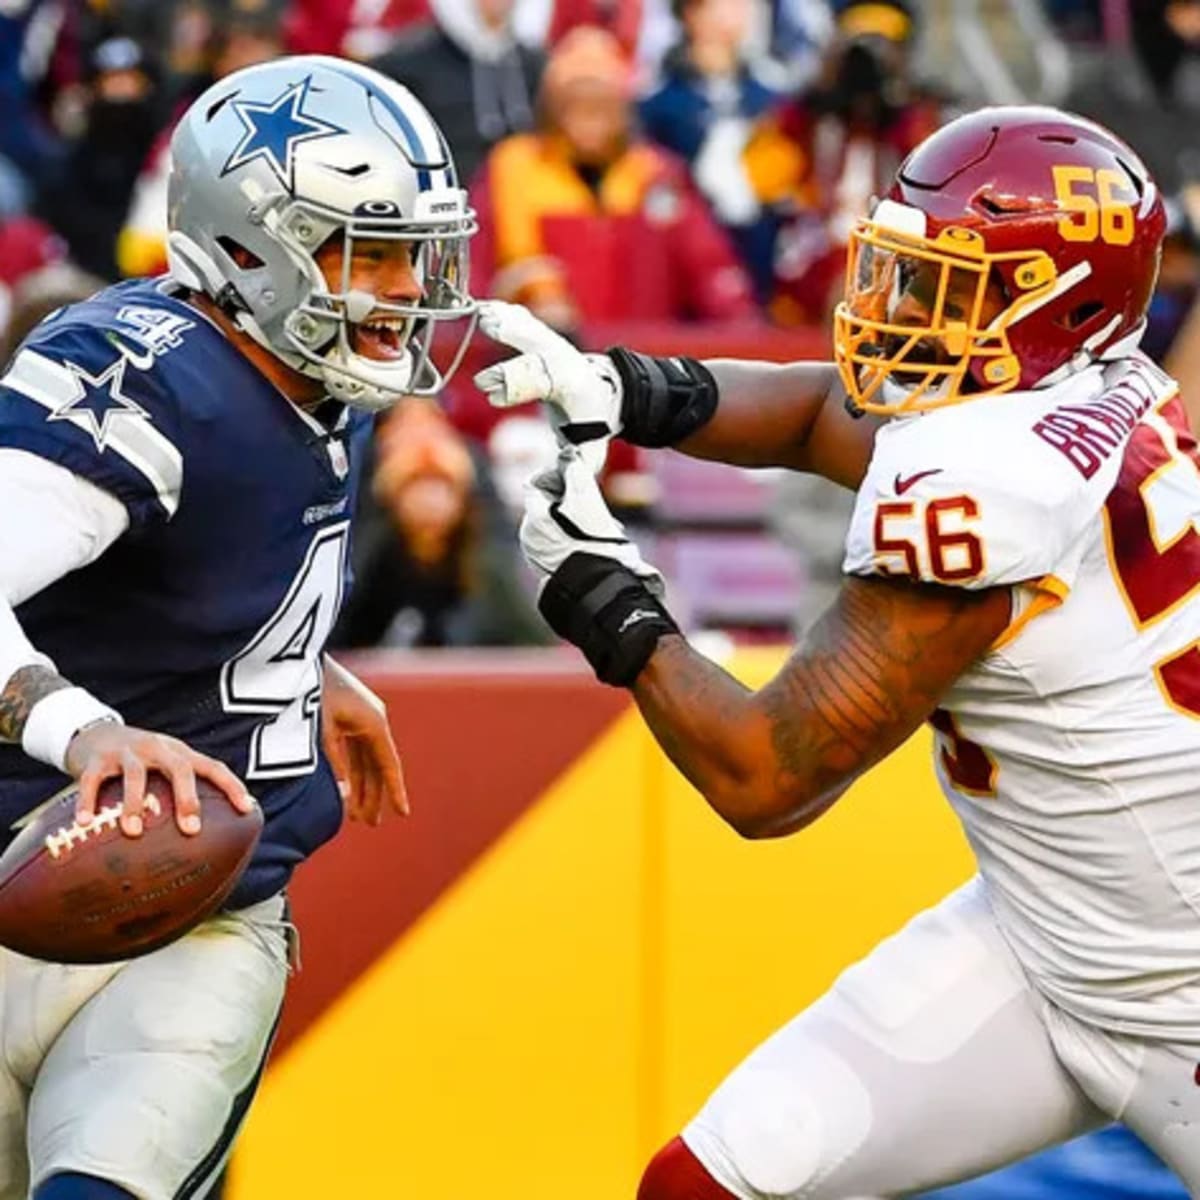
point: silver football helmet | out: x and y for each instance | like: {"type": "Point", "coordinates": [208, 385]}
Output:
{"type": "Point", "coordinates": [273, 161]}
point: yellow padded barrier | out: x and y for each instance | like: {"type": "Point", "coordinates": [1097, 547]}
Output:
{"type": "Point", "coordinates": [578, 992]}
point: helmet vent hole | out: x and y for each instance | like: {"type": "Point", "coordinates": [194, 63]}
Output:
{"type": "Point", "coordinates": [1000, 204]}
{"type": "Point", "coordinates": [1081, 314]}
{"type": "Point", "coordinates": [1061, 139]}
{"type": "Point", "coordinates": [247, 260]}
{"type": "Point", "coordinates": [1136, 180]}
{"type": "Point", "coordinates": [213, 109]}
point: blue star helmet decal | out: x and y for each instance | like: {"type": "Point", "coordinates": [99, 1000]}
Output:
{"type": "Point", "coordinates": [274, 129]}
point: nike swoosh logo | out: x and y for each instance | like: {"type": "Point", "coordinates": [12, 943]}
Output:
{"type": "Point", "coordinates": [902, 485]}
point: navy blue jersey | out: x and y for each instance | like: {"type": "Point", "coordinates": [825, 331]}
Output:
{"type": "Point", "coordinates": [207, 617]}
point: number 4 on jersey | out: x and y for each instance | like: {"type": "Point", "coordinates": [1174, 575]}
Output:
{"type": "Point", "coordinates": [279, 673]}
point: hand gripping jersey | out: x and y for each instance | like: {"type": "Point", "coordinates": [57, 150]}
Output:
{"type": "Point", "coordinates": [1071, 752]}
{"type": "Point", "coordinates": [206, 618]}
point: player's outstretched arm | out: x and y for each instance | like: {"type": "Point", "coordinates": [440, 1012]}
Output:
{"type": "Point", "coordinates": [783, 414]}
{"type": "Point", "coordinates": [868, 673]}
{"type": "Point", "coordinates": [872, 669]}
{"type": "Point", "coordinates": [748, 413]}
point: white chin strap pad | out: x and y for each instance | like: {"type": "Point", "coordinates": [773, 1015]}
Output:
{"type": "Point", "coordinates": [374, 385]}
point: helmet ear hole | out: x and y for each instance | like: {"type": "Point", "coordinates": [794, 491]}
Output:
{"type": "Point", "coordinates": [245, 259]}
{"type": "Point", "coordinates": [1081, 314]}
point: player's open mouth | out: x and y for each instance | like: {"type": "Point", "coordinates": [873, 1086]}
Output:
{"type": "Point", "coordinates": [382, 338]}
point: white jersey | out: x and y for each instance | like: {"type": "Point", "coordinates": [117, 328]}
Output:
{"type": "Point", "coordinates": [1071, 751]}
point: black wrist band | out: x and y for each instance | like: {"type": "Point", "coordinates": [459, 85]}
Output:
{"type": "Point", "coordinates": [608, 612]}
{"type": "Point", "coordinates": [663, 400]}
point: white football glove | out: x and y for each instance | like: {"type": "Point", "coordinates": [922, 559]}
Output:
{"type": "Point", "coordinates": [583, 390]}
{"type": "Point", "coordinates": [596, 590]}
{"type": "Point", "coordinates": [565, 513]}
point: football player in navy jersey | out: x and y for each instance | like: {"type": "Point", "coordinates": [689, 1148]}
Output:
{"type": "Point", "coordinates": [178, 460]}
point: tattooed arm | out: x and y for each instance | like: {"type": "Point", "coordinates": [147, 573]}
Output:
{"type": "Point", "coordinates": [25, 687]}
{"type": "Point", "coordinates": [53, 522]}
{"type": "Point", "coordinates": [66, 727]}
{"type": "Point", "coordinates": [870, 671]}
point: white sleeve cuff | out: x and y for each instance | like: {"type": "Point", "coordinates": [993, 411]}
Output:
{"type": "Point", "coordinates": [56, 719]}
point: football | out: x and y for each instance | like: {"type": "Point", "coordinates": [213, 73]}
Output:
{"type": "Point", "coordinates": [74, 893]}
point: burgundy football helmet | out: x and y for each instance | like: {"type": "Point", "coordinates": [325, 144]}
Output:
{"type": "Point", "coordinates": [1016, 245]}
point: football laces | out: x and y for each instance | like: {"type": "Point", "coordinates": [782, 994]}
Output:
{"type": "Point", "coordinates": [62, 841]}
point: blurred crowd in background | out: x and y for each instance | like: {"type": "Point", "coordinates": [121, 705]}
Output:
{"type": "Point", "coordinates": [678, 174]}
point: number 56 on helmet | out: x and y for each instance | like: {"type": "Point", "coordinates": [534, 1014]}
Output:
{"type": "Point", "coordinates": [1015, 246]}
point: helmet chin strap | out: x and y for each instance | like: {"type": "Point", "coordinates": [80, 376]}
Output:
{"type": "Point", "coordinates": [370, 385]}
{"type": "Point", "coordinates": [1087, 353]}
{"type": "Point", "coordinates": [894, 394]}
{"type": "Point", "coordinates": [373, 386]}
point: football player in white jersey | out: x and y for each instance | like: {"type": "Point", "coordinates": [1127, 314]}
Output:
{"type": "Point", "coordinates": [1023, 572]}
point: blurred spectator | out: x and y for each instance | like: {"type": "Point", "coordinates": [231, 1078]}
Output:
{"type": "Point", "coordinates": [29, 145]}
{"type": "Point", "coordinates": [1182, 358]}
{"type": "Point", "coordinates": [584, 220]}
{"type": "Point", "coordinates": [37, 294]}
{"type": "Point", "coordinates": [27, 246]}
{"type": "Point", "coordinates": [816, 161]}
{"type": "Point", "coordinates": [1167, 36]}
{"type": "Point", "coordinates": [799, 32]}
{"type": "Point", "coordinates": [189, 40]}
{"type": "Point", "coordinates": [702, 109]}
{"type": "Point", "coordinates": [440, 568]}
{"type": "Point", "coordinates": [1178, 275]}
{"type": "Point", "coordinates": [1077, 20]}
{"type": "Point", "coordinates": [361, 29]}
{"type": "Point", "coordinates": [247, 32]}
{"type": "Point", "coordinates": [1146, 85]}
{"type": "Point", "coordinates": [468, 69]}
{"type": "Point", "coordinates": [88, 198]}
{"type": "Point", "coordinates": [622, 18]}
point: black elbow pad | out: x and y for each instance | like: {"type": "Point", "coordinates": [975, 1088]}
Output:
{"type": "Point", "coordinates": [663, 400]}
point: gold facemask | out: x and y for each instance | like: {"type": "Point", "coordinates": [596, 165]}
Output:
{"type": "Point", "coordinates": [920, 313]}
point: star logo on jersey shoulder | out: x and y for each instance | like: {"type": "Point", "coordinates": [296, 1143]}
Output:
{"type": "Point", "coordinates": [274, 129]}
{"type": "Point", "coordinates": [99, 402]}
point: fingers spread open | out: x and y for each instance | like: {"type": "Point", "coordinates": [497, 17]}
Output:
{"type": "Point", "coordinates": [133, 800]}
{"type": "Point", "coordinates": [220, 776]}
{"type": "Point", "coordinates": [361, 801]}
{"type": "Point", "coordinates": [89, 786]}
{"type": "Point", "coordinates": [334, 743]}
{"type": "Point", "coordinates": [179, 769]}
{"type": "Point", "coordinates": [393, 793]}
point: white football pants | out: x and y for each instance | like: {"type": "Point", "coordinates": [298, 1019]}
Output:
{"type": "Point", "coordinates": [932, 1061]}
{"type": "Point", "coordinates": [139, 1073]}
